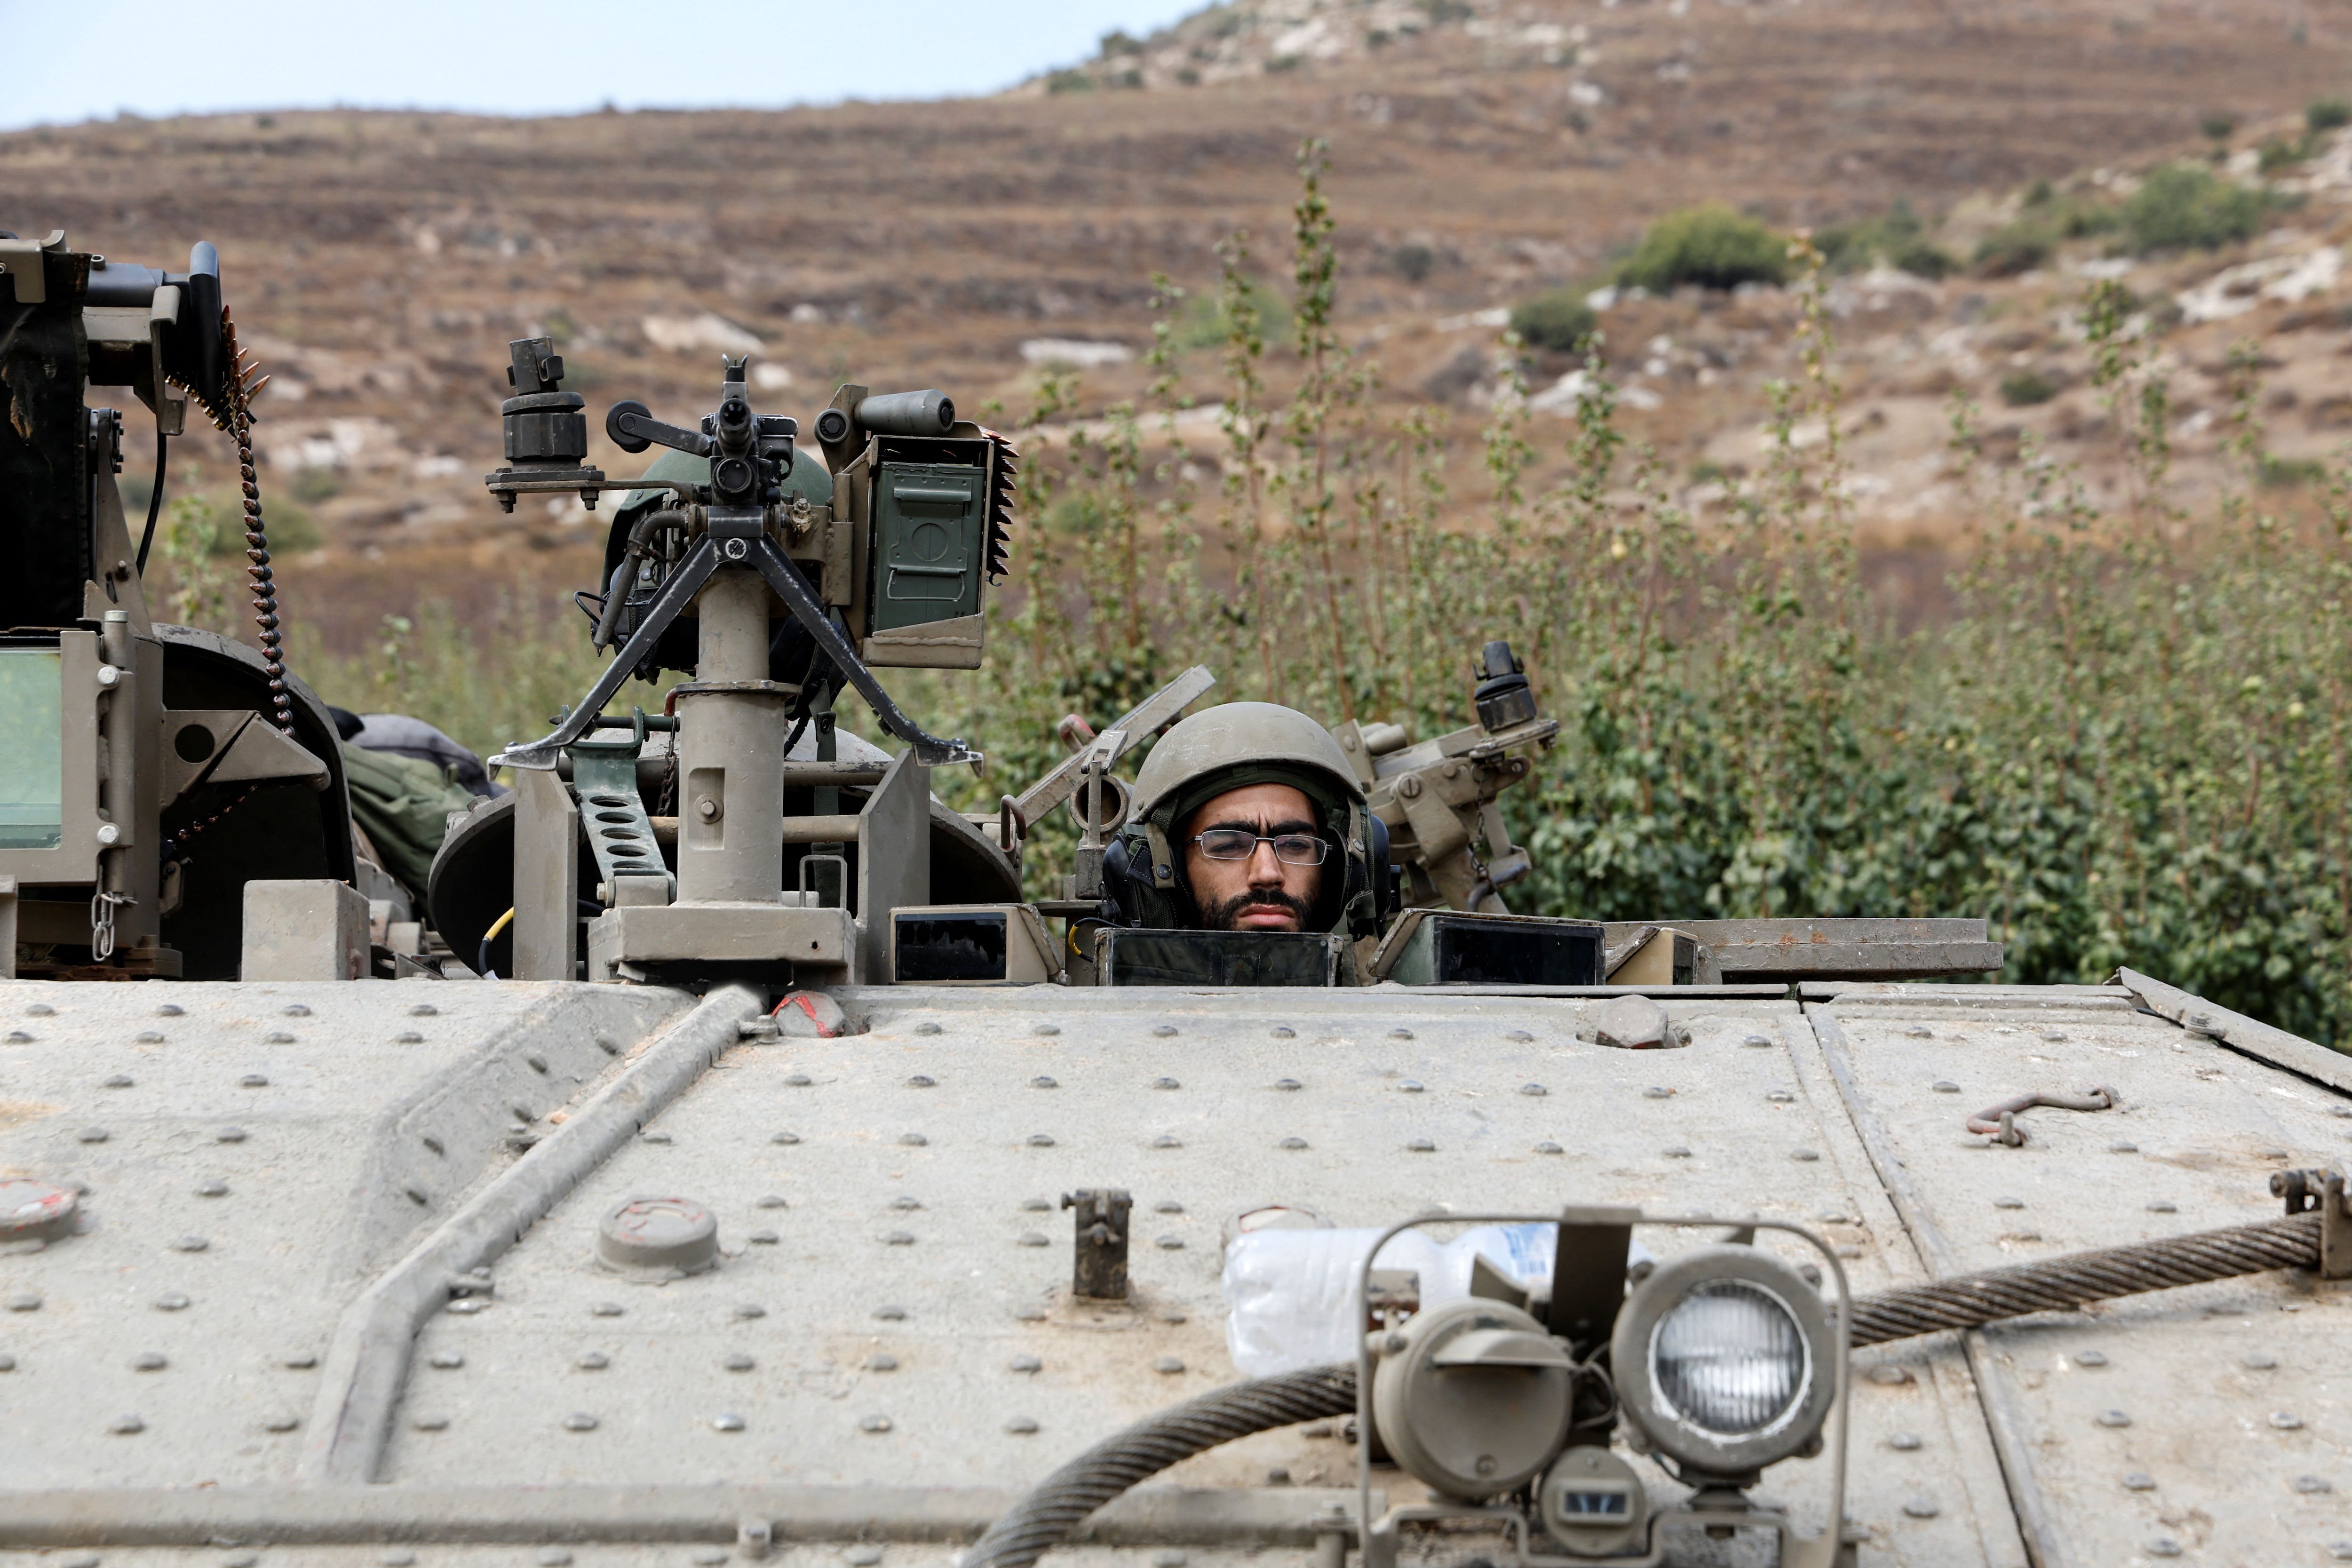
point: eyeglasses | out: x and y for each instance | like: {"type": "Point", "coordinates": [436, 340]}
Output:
{"type": "Point", "coordinates": [1240, 843]}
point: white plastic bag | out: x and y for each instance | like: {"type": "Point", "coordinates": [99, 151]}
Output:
{"type": "Point", "coordinates": [1290, 1295]}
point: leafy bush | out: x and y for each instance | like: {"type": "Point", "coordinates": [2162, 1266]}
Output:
{"type": "Point", "coordinates": [2045, 220]}
{"type": "Point", "coordinates": [1557, 320]}
{"type": "Point", "coordinates": [2019, 247]}
{"type": "Point", "coordinates": [2025, 388]}
{"type": "Point", "coordinates": [2274, 156]}
{"type": "Point", "coordinates": [2325, 114]}
{"type": "Point", "coordinates": [1413, 262]}
{"type": "Point", "coordinates": [1897, 240]}
{"type": "Point", "coordinates": [2218, 127]}
{"type": "Point", "coordinates": [1069, 81]}
{"type": "Point", "coordinates": [2180, 206]}
{"type": "Point", "coordinates": [2277, 473]}
{"type": "Point", "coordinates": [1710, 245]}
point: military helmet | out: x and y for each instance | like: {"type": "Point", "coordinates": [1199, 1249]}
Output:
{"type": "Point", "coordinates": [1229, 747]}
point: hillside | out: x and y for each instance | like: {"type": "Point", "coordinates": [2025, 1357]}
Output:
{"type": "Point", "coordinates": [378, 262]}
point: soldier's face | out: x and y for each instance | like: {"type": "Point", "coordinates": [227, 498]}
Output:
{"type": "Point", "coordinates": [1260, 891]}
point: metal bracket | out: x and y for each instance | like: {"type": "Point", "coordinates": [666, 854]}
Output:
{"type": "Point", "coordinates": [2001, 1121]}
{"type": "Point", "coordinates": [1099, 1270]}
{"type": "Point", "coordinates": [727, 546]}
{"type": "Point", "coordinates": [2321, 1192]}
{"type": "Point", "coordinates": [614, 814]}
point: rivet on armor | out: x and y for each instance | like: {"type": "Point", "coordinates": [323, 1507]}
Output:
{"type": "Point", "coordinates": [1165, 1083]}
{"type": "Point", "coordinates": [763, 1238]}
{"type": "Point", "coordinates": [927, 1027]}
{"type": "Point", "coordinates": [171, 1301]}
{"type": "Point", "coordinates": [2006, 1202]}
{"type": "Point", "coordinates": [91, 1135]}
{"type": "Point", "coordinates": [1025, 1363]}
{"type": "Point", "coordinates": [608, 1309]}
{"type": "Point", "coordinates": [891, 1314]}
{"type": "Point", "coordinates": [230, 1135]}
{"type": "Point", "coordinates": [1042, 1081]}
{"type": "Point", "coordinates": [125, 1425]}
{"type": "Point", "coordinates": [1920, 1508]}
{"type": "Point", "coordinates": [1679, 1152]}
{"type": "Point", "coordinates": [593, 1361]}
{"type": "Point", "coordinates": [1756, 1041]}
{"type": "Point", "coordinates": [1536, 1090]}
{"type": "Point", "coordinates": [912, 1140]}
{"type": "Point", "coordinates": [1047, 1030]}
{"type": "Point", "coordinates": [1657, 1091]}
{"type": "Point", "coordinates": [727, 1423]}
{"type": "Point", "coordinates": [1548, 1147]}
{"type": "Point", "coordinates": [1284, 1032]}
{"type": "Point", "coordinates": [1518, 1036]}
{"type": "Point", "coordinates": [922, 1080]}
{"type": "Point", "coordinates": [430, 1423]}
{"type": "Point", "coordinates": [1167, 1140]}
{"type": "Point", "coordinates": [2139, 1482]}
{"type": "Point", "coordinates": [1021, 1425]}
{"type": "Point", "coordinates": [278, 1037]}
{"type": "Point", "coordinates": [1920, 1032]}
{"type": "Point", "coordinates": [873, 1423]}
{"type": "Point", "coordinates": [580, 1421]}
{"type": "Point", "coordinates": [2163, 1205]}
{"type": "Point", "coordinates": [2259, 1361]}
{"type": "Point", "coordinates": [1410, 1085]}
{"type": "Point", "coordinates": [1171, 1243]}
{"type": "Point", "coordinates": [786, 1139]}
{"type": "Point", "coordinates": [424, 1010]}
{"type": "Point", "coordinates": [1040, 1140]}
{"type": "Point", "coordinates": [1287, 1084]}
{"type": "Point", "coordinates": [1423, 1146]}
{"type": "Point", "coordinates": [148, 1361]}
{"type": "Point", "coordinates": [1167, 1365]}
{"type": "Point", "coordinates": [798, 1079]}
{"type": "Point", "coordinates": [751, 1310]}
{"type": "Point", "coordinates": [300, 1360]}
{"type": "Point", "coordinates": [446, 1360]}
{"type": "Point", "coordinates": [190, 1244]}
{"type": "Point", "coordinates": [1400, 1034]}
{"type": "Point", "coordinates": [1904, 1442]}
{"type": "Point", "coordinates": [1034, 1238]}
{"type": "Point", "coordinates": [1294, 1142]}
{"type": "Point", "coordinates": [254, 1080]}
{"type": "Point", "coordinates": [1164, 1031]}
{"type": "Point", "coordinates": [2114, 1418]}
{"type": "Point", "coordinates": [149, 1037]}
{"type": "Point", "coordinates": [2091, 1358]}
{"type": "Point", "coordinates": [739, 1362]}
{"type": "Point", "coordinates": [2286, 1421]}
{"type": "Point", "coordinates": [881, 1361]}
{"type": "Point", "coordinates": [408, 1037]}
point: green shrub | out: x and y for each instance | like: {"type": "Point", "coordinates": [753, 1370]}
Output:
{"type": "Point", "coordinates": [2325, 114]}
{"type": "Point", "coordinates": [2025, 388]}
{"type": "Point", "coordinates": [2276, 473]}
{"type": "Point", "coordinates": [2218, 127]}
{"type": "Point", "coordinates": [1898, 240]}
{"type": "Point", "coordinates": [313, 485]}
{"type": "Point", "coordinates": [2019, 247]}
{"type": "Point", "coordinates": [1557, 320]}
{"type": "Point", "coordinates": [1413, 262]}
{"type": "Point", "coordinates": [2274, 156]}
{"type": "Point", "coordinates": [2182, 206]}
{"type": "Point", "coordinates": [1069, 81]}
{"type": "Point", "coordinates": [1710, 245]}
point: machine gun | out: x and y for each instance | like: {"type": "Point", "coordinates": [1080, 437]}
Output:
{"type": "Point", "coordinates": [133, 752]}
{"type": "Point", "coordinates": [881, 559]}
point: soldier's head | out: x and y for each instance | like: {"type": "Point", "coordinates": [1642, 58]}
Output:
{"type": "Point", "coordinates": [1247, 818]}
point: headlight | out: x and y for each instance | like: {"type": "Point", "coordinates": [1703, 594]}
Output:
{"type": "Point", "coordinates": [1723, 1360]}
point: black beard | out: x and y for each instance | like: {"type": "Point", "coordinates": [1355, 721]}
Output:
{"type": "Point", "coordinates": [1224, 917]}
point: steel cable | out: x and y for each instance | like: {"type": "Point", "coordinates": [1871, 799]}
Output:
{"type": "Point", "coordinates": [2060, 1284]}
{"type": "Point", "coordinates": [1048, 1515]}
{"type": "Point", "coordinates": [1052, 1512]}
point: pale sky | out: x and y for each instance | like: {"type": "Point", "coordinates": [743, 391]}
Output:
{"type": "Point", "coordinates": [66, 60]}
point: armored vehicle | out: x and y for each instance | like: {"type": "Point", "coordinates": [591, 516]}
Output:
{"type": "Point", "coordinates": [719, 1158]}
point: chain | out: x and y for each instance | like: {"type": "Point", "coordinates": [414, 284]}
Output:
{"type": "Point", "coordinates": [101, 923]}
{"type": "Point", "coordinates": [242, 385]}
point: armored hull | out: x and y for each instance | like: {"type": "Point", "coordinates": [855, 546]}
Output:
{"type": "Point", "coordinates": [337, 1289]}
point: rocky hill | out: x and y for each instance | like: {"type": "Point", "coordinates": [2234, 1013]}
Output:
{"type": "Point", "coordinates": [1483, 151]}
